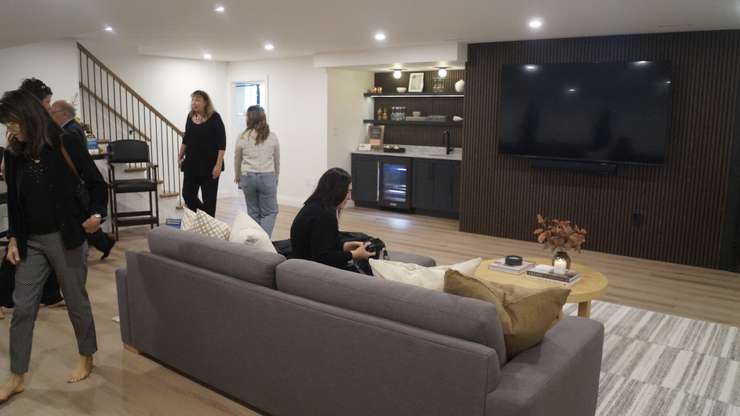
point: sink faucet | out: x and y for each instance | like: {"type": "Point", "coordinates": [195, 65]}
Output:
{"type": "Point", "coordinates": [448, 145]}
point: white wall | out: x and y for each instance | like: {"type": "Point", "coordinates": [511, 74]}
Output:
{"type": "Point", "coordinates": [53, 62]}
{"type": "Point", "coordinates": [346, 109]}
{"type": "Point", "coordinates": [297, 113]}
{"type": "Point", "coordinates": [165, 82]}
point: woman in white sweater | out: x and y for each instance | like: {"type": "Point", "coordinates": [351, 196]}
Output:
{"type": "Point", "coordinates": [257, 166]}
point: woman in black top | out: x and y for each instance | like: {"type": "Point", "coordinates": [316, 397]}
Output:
{"type": "Point", "coordinates": [202, 154]}
{"type": "Point", "coordinates": [314, 234]}
{"type": "Point", "coordinates": [47, 223]}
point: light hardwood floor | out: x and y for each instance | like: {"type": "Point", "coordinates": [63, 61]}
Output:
{"type": "Point", "coordinates": [124, 383]}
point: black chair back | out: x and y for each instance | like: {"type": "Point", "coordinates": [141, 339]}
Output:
{"type": "Point", "coordinates": [128, 151]}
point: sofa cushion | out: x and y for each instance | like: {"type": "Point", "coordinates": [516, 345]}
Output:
{"type": "Point", "coordinates": [231, 259]}
{"type": "Point", "coordinates": [246, 231]}
{"type": "Point", "coordinates": [403, 257]}
{"type": "Point", "coordinates": [438, 312]}
{"type": "Point", "coordinates": [414, 274]}
{"type": "Point", "coordinates": [526, 314]}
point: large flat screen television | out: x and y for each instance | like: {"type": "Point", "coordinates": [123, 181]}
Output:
{"type": "Point", "coordinates": [600, 112]}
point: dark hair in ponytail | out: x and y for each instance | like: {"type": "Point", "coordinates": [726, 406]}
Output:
{"type": "Point", "coordinates": [257, 122]}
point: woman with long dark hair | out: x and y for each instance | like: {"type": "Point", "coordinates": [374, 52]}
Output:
{"type": "Point", "coordinates": [314, 234]}
{"type": "Point", "coordinates": [202, 154]}
{"type": "Point", "coordinates": [49, 216]}
{"type": "Point", "coordinates": [257, 166]}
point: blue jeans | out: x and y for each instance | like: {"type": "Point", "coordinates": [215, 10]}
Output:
{"type": "Point", "coordinates": [260, 193]}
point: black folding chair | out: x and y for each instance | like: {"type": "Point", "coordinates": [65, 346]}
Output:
{"type": "Point", "coordinates": [125, 152]}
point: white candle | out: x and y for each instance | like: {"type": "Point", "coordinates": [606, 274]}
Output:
{"type": "Point", "coordinates": [560, 266]}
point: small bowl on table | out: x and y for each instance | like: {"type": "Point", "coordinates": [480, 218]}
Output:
{"type": "Point", "coordinates": [401, 90]}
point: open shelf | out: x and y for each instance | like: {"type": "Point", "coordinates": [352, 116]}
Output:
{"type": "Point", "coordinates": [415, 95]}
{"type": "Point", "coordinates": [415, 123]}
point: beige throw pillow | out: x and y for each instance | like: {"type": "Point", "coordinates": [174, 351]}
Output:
{"type": "Point", "coordinates": [207, 225]}
{"type": "Point", "coordinates": [246, 231]}
{"type": "Point", "coordinates": [188, 220]}
{"type": "Point", "coordinates": [526, 314]}
{"type": "Point", "coordinates": [413, 274]}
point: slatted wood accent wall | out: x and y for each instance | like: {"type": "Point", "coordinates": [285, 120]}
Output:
{"type": "Point", "coordinates": [681, 204]}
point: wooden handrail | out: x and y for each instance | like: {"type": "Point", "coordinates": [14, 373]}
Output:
{"type": "Point", "coordinates": [128, 88]}
{"type": "Point", "coordinates": [113, 110]}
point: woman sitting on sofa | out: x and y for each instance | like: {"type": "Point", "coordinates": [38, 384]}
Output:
{"type": "Point", "coordinates": [314, 234]}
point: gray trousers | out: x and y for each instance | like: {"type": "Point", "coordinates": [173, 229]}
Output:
{"type": "Point", "coordinates": [44, 253]}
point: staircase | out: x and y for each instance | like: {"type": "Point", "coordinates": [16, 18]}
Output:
{"type": "Point", "coordinates": [114, 111]}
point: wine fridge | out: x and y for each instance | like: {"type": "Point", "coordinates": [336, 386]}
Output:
{"type": "Point", "coordinates": [395, 183]}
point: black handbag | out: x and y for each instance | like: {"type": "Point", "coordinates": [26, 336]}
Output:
{"type": "Point", "coordinates": [81, 194]}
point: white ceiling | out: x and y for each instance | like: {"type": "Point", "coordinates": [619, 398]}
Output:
{"type": "Point", "coordinates": [188, 28]}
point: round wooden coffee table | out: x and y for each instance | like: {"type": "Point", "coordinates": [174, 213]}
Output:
{"type": "Point", "coordinates": [592, 284]}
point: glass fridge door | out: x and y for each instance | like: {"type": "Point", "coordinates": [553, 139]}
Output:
{"type": "Point", "coordinates": [395, 184]}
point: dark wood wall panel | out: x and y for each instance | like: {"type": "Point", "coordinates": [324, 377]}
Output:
{"type": "Point", "coordinates": [681, 204]}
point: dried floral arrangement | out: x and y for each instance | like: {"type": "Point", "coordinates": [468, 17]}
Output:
{"type": "Point", "coordinates": [559, 234]}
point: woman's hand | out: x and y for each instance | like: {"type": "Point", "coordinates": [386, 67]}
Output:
{"type": "Point", "coordinates": [361, 253]}
{"type": "Point", "coordinates": [351, 245]}
{"type": "Point", "coordinates": [92, 224]}
{"type": "Point", "coordinates": [13, 255]}
{"type": "Point", "coordinates": [216, 171]}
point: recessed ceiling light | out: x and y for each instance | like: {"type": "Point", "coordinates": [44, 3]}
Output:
{"type": "Point", "coordinates": [219, 9]}
{"type": "Point", "coordinates": [397, 74]}
{"type": "Point", "coordinates": [269, 46]}
{"type": "Point", "coordinates": [668, 82]}
{"type": "Point", "coordinates": [572, 90]}
{"type": "Point", "coordinates": [530, 68]}
{"type": "Point", "coordinates": [207, 56]}
{"type": "Point", "coordinates": [108, 28]}
{"type": "Point", "coordinates": [641, 62]}
{"type": "Point", "coordinates": [380, 36]}
{"type": "Point", "coordinates": [535, 23]}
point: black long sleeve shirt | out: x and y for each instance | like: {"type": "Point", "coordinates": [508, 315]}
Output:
{"type": "Point", "coordinates": [202, 144]}
{"type": "Point", "coordinates": [60, 186]}
{"type": "Point", "coordinates": [314, 236]}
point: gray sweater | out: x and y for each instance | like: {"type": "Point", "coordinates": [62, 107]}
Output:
{"type": "Point", "coordinates": [249, 157]}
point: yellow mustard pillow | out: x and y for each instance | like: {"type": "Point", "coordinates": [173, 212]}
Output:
{"type": "Point", "coordinates": [526, 314]}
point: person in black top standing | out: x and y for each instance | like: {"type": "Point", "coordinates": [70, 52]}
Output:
{"type": "Point", "coordinates": [314, 234]}
{"type": "Point", "coordinates": [47, 224]}
{"type": "Point", "coordinates": [202, 154]}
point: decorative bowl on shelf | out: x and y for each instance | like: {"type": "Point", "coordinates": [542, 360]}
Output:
{"type": "Point", "coordinates": [401, 90]}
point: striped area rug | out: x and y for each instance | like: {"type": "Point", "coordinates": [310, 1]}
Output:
{"type": "Point", "coordinates": [656, 364]}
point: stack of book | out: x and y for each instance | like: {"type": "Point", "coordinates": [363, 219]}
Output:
{"type": "Point", "coordinates": [499, 265]}
{"type": "Point", "coordinates": [545, 273]}
{"type": "Point", "coordinates": [173, 222]}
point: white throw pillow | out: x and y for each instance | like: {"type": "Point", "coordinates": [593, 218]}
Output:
{"type": "Point", "coordinates": [207, 225]}
{"type": "Point", "coordinates": [247, 231]}
{"type": "Point", "coordinates": [413, 274]}
{"type": "Point", "coordinates": [188, 220]}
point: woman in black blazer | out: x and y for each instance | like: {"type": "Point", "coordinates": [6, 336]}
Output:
{"type": "Point", "coordinates": [47, 223]}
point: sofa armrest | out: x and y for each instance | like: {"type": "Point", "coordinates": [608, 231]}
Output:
{"type": "Point", "coordinates": [123, 307]}
{"type": "Point", "coordinates": [557, 377]}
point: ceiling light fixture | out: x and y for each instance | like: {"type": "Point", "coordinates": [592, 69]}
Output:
{"type": "Point", "coordinates": [108, 28]}
{"type": "Point", "coordinates": [207, 56]}
{"type": "Point", "coordinates": [269, 47]}
{"type": "Point", "coordinates": [641, 63]}
{"type": "Point", "coordinates": [535, 23]}
{"type": "Point", "coordinates": [572, 90]}
{"type": "Point", "coordinates": [442, 72]}
{"type": "Point", "coordinates": [397, 74]}
{"type": "Point", "coordinates": [219, 9]}
{"type": "Point", "coordinates": [530, 68]}
{"type": "Point", "coordinates": [380, 36]}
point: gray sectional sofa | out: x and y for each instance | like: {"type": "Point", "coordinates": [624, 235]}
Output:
{"type": "Point", "coordinates": [298, 338]}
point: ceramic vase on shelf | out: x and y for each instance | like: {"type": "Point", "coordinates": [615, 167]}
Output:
{"type": "Point", "coordinates": [460, 86]}
{"type": "Point", "coordinates": [559, 259]}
